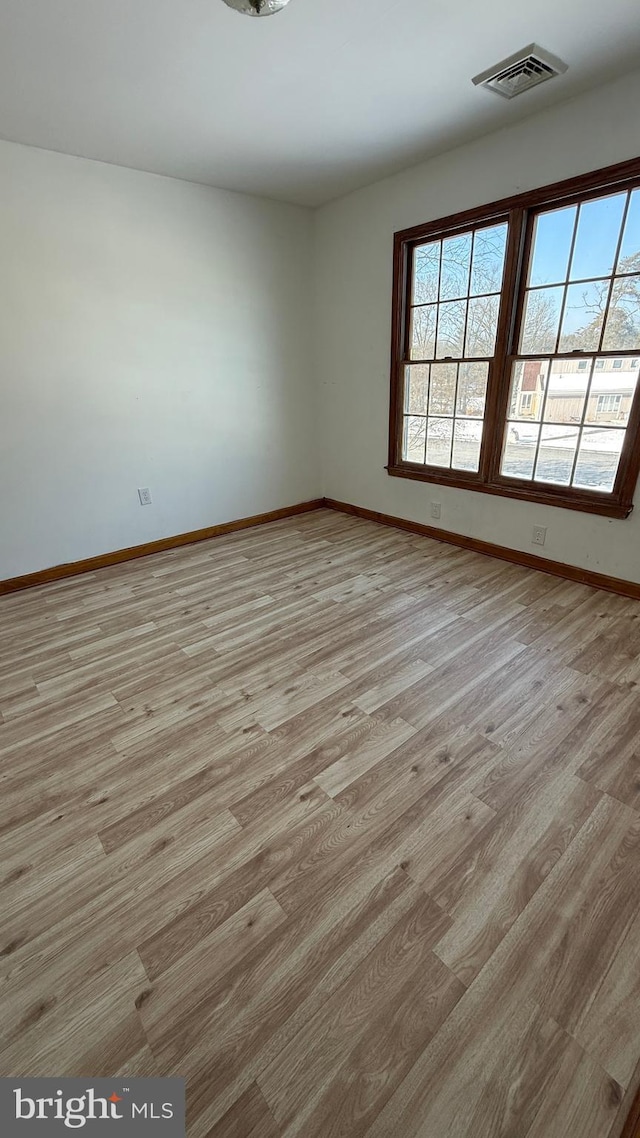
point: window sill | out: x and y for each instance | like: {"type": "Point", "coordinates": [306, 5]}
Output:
{"type": "Point", "coordinates": [587, 503]}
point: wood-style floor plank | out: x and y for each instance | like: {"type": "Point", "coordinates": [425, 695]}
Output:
{"type": "Point", "coordinates": [339, 823]}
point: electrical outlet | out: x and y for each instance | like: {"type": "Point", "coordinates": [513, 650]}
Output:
{"type": "Point", "coordinates": [435, 509]}
{"type": "Point", "coordinates": [144, 495]}
{"type": "Point", "coordinates": [539, 535]}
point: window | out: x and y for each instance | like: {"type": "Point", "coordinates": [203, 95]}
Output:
{"type": "Point", "coordinates": [453, 317]}
{"type": "Point", "coordinates": [608, 404]}
{"type": "Point", "coordinates": [515, 328]}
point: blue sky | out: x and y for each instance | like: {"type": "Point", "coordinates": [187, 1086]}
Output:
{"type": "Point", "coordinates": [595, 247]}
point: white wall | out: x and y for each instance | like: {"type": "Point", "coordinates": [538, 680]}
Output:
{"type": "Point", "coordinates": [354, 241]}
{"type": "Point", "coordinates": [152, 333]}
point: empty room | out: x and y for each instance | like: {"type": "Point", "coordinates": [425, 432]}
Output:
{"type": "Point", "coordinates": [320, 568]}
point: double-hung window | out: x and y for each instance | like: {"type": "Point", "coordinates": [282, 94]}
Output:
{"type": "Point", "coordinates": [515, 346]}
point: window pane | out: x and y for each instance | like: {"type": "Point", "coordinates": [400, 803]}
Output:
{"type": "Point", "coordinates": [423, 332]}
{"type": "Point", "coordinates": [488, 259]}
{"type": "Point", "coordinates": [622, 330]}
{"type": "Point", "coordinates": [629, 260]}
{"type": "Point", "coordinates": [426, 270]}
{"type": "Point", "coordinates": [442, 271]}
{"type": "Point", "coordinates": [527, 389]}
{"type": "Point", "coordinates": [568, 384]}
{"type": "Point", "coordinates": [583, 313]}
{"type": "Point", "coordinates": [597, 237]}
{"type": "Point", "coordinates": [612, 392]}
{"type": "Point", "coordinates": [451, 318]}
{"type": "Point", "coordinates": [413, 439]}
{"type": "Point", "coordinates": [456, 258]}
{"type": "Point", "coordinates": [552, 245]}
{"type": "Point", "coordinates": [541, 319]}
{"type": "Point", "coordinates": [598, 459]}
{"type": "Point", "coordinates": [443, 389]}
{"type": "Point", "coordinates": [439, 437]}
{"type": "Point", "coordinates": [556, 454]}
{"type": "Point", "coordinates": [519, 452]}
{"type": "Point", "coordinates": [472, 389]}
{"type": "Point", "coordinates": [467, 437]}
{"type": "Point", "coordinates": [416, 389]}
{"type": "Point", "coordinates": [482, 325]}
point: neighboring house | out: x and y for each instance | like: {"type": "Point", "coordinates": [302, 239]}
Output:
{"type": "Point", "coordinates": [610, 394]}
{"type": "Point", "coordinates": [529, 399]}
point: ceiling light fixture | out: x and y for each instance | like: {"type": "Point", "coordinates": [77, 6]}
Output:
{"type": "Point", "coordinates": [257, 7]}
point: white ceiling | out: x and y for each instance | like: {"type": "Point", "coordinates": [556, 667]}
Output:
{"type": "Point", "coordinates": [304, 105]}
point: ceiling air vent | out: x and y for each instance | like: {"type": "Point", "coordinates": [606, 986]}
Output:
{"type": "Point", "coordinates": [524, 69]}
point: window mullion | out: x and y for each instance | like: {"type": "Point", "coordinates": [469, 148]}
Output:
{"type": "Point", "coordinates": [498, 372]}
{"type": "Point", "coordinates": [612, 282]}
{"type": "Point", "coordinates": [583, 419]}
{"type": "Point", "coordinates": [565, 283]}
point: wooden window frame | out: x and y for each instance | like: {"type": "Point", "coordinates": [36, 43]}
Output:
{"type": "Point", "coordinates": [520, 211]}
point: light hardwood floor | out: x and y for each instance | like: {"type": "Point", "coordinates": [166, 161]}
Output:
{"type": "Point", "coordinates": [340, 823]}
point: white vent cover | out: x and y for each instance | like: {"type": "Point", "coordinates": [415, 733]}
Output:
{"type": "Point", "coordinates": [524, 69]}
